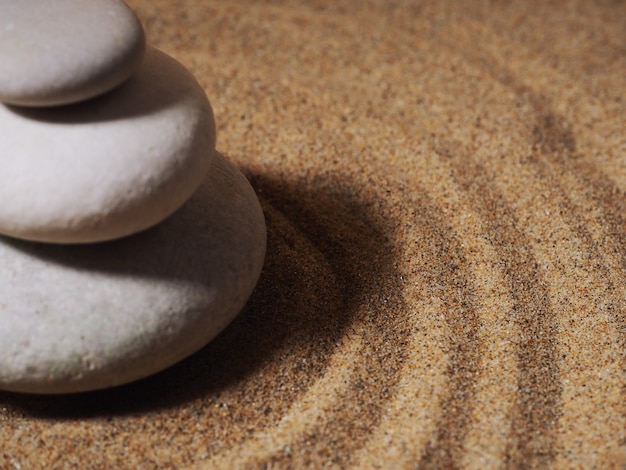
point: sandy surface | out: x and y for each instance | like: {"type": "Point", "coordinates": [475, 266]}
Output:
{"type": "Point", "coordinates": [444, 185]}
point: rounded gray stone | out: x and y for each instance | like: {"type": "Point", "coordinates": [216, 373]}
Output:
{"type": "Point", "coordinates": [108, 167]}
{"type": "Point", "coordinates": [84, 317]}
{"type": "Point", "coordinates": [56, 52]}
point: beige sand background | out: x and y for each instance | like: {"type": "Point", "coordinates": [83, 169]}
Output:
{"type": "Point", "coordinates": [444, 185]}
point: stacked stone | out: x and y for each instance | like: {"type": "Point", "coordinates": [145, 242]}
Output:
{"type": "Point", "coordinates": [102, 138]}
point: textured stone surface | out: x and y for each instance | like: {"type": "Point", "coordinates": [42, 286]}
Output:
{"type": "Point", "coordinates": [65, 51]}
{"type": "Point", "coordinates": [108, 167]}
{"type": "Point", "coordinates": [76, 318]}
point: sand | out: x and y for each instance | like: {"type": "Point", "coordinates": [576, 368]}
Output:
{"type": "Point", "coordinates": [443, 184]}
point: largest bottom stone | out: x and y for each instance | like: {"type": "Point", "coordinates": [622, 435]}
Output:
{"type": "Point", "coordinates": [77, 318]}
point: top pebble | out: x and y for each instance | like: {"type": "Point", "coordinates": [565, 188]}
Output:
{"type": "Point", "coordinates": [64, 51]}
